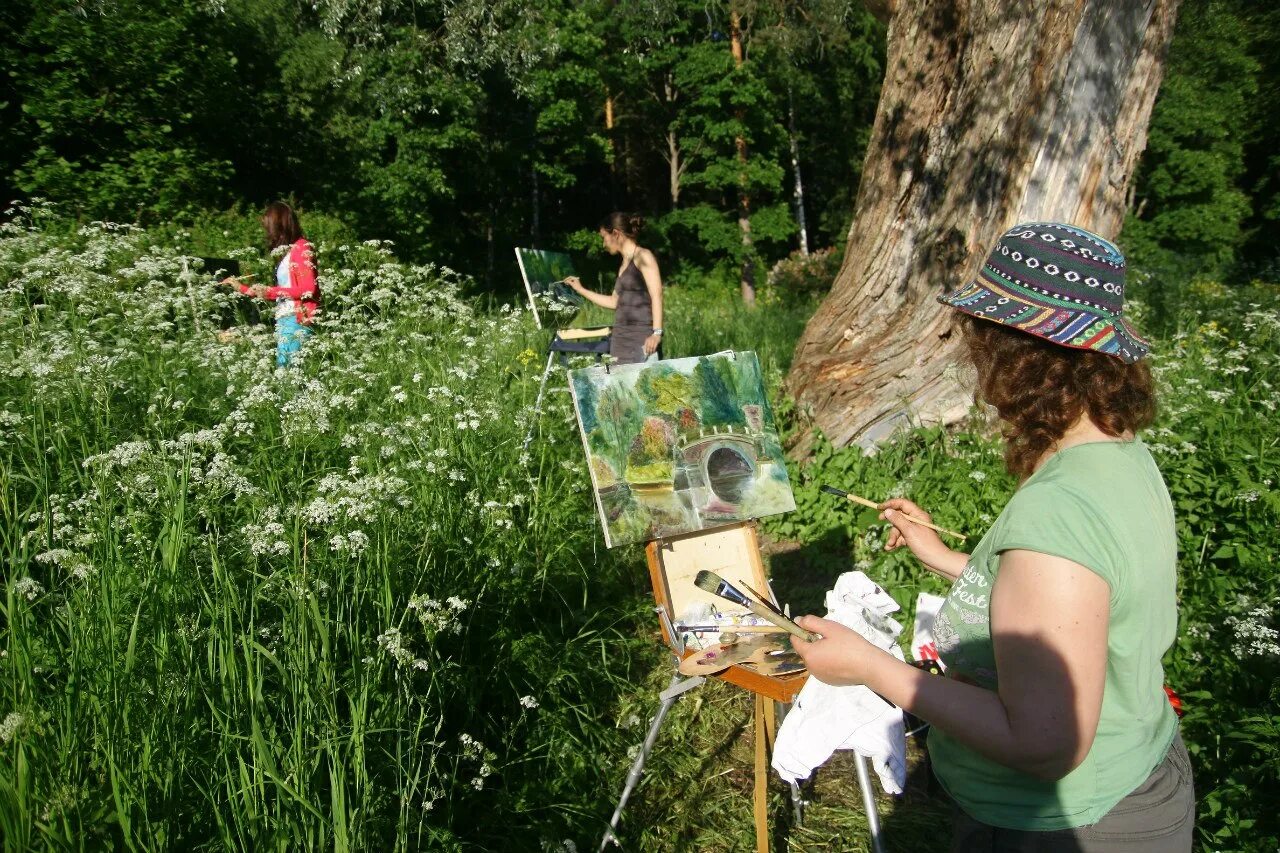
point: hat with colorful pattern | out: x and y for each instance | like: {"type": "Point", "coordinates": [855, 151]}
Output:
{"type": "Point", "coordinates": [1057, 282]}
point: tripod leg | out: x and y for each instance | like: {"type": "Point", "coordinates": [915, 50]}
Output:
{"type": "Point", "coordinates": [797, 803]}
{"type": "Point", "coordinates": [537, 406]}
{"type": "Point", "coordinates": [869, 802]}
{"type": "Point", "coordinates": [637, 767]}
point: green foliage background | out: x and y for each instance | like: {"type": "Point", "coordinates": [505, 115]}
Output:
{"type": "Point", "coordinates": [454, 129]}
{"type": "Point", "coordinates": [459, 129]}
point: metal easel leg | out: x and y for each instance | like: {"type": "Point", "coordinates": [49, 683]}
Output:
{"type": "Point", "coordinates": [797, 803]}
{"type": "Point", "coordinates": [678, 687]}
{"type": "Point", "coordinates": [537, 406]}
{"type": "Point", "coordinates": [868, 802]}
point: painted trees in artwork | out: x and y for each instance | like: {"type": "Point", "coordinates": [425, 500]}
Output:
{"type": "Point", "coordinates": [719, 402]}
{"type": "Point", "coordinates": [618, 418]}
{"type": "Point", "coordinates": [587, 400]}
{"type": "Point", "coordinates": [667, 390]}
{"type": "Point", "coordinates": [649, 459]}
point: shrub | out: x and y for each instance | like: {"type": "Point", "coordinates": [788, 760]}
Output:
{"type": "Point", "coordinates": [812, 273]}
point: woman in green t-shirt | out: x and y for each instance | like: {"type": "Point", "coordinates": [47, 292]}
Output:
{"type": "Point", "coordinates": [1051, 730]}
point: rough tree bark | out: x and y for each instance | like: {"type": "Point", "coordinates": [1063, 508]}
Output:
{"type": "Point", "coordinates": [992, 112]}
{"type": "Point", "coordinates": [608, 121]}
{"type": "Point", "coordinates": [613, 149]}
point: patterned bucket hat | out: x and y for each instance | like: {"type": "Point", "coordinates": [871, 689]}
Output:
{"type": "Point", "coordinates": [1057, 282]}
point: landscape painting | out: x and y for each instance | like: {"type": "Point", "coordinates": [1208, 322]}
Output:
{"type": "Point", "coordinates": [679, 446]}
{"type": "Point", "coordinates": [544, 273]}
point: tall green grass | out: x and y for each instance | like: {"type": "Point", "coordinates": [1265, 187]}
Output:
{"type": "Point", "coordinates": [327, 607]}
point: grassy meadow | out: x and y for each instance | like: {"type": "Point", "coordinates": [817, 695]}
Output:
{"type": "Point", "coordinates": [341, 606]}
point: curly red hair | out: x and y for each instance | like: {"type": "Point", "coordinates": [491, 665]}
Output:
{"type": "Point", "coordinates": [1040, 389]}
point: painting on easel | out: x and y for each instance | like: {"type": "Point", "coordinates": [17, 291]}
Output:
{"type": "Point", "coordinates": [544, 274]}
{"type": "Point", "coordinates": [680, 446]}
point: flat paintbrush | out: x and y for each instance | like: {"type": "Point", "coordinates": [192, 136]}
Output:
{"type": "Point", "coordinates": [841, 493]}
{"type": "Point", "coordinates": [716, 585]}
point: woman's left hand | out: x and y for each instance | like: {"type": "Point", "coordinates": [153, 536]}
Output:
{"type": "Point", "coordinates": [651, 344]}
{"type": "Point", "coordinates": [841, 658]}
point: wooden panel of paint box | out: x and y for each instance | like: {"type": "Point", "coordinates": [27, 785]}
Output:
{"type": "Point", "coordinates": [733, 552]}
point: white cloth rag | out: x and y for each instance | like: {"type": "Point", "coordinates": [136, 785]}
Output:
{"type": "Point", "coordinates": [826, 718]}
{"type": "Point", "coordinates": [923, 644]}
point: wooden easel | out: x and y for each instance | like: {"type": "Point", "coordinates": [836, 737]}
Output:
{"type": "Point", "coordinates": [733, 552]}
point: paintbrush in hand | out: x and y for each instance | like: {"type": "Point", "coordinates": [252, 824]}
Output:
{"type": "Point", "coordinates": [832, 490]}
{"type": "Point", "coordinates": [716, 585]}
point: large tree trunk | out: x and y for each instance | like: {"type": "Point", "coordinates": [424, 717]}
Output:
{"type": "Point", "coordinates": [992, 113]}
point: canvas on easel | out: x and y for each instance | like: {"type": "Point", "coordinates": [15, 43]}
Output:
{"type": "Point", "coordinates": [685, 455]}
{"type": "Point", "coordinates": [544, 273]}
{"type": "Point", "coordinates": [680, 445]}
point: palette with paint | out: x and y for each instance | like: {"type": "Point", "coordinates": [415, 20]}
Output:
{"type": "Point", "coordinates": [767, 654]}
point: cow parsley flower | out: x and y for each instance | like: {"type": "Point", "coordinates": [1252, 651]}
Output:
{"type": "Point", "coordinates": [28, 588]}
{"type": "Point", "coordinates": [10, 726]}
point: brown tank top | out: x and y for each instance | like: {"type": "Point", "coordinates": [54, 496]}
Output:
{"type": "Point", "coordinates": [634, 306]}
{"type": "Point", "coordinates": [633, 319]}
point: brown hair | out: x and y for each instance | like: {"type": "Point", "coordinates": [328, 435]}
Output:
{"type": "Point", "coordinates": [281, 224]}
{"type": "Point", "coordinates": [1040, 389]}
{"type": "Point", "coordinates": [629, 224]}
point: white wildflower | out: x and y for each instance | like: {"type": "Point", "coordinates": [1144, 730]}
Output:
{"type": "Point", "coordinates": [28, 587]}
{"type": "Point", "coordinates": [392, 642]}
{"type": "Point", "coordinates": [12, 723]}
{"type": "Point", "coordinates": [1254, 636]}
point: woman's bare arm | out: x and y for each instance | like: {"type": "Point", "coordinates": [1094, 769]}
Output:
{"type": "Point", "coordinates": [609, 301]}
{"type": "Point", "coordinates": [1049, 626]}
{"type": "Point", "coordinates": [648, 266]}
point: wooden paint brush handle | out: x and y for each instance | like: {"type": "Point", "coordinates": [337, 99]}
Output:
{"type": "Point", "coordinates": [930, 525]}
{"type": "Point", "coordinates": [728, 629]}
{"type": "Point", "coordinates": [849, 496]}
{"type": "Point", "coordinates": [781, 621]}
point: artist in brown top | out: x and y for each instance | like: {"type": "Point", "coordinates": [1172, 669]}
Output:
{"type": "Point", "coordinates": [637, 292]}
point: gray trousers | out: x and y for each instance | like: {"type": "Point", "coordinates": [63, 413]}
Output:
{"type": "Point", "coordinates": [1158, 817]}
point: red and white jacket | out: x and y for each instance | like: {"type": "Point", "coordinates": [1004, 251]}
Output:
{"type": "Point", "coordinates": [301, 294]}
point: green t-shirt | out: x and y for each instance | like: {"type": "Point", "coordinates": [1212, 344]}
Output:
{"type": "Point", "coordinates": [1104, 506]}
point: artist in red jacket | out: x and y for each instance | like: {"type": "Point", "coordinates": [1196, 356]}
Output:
{"type": "Point", "coordinates": [296, 293]}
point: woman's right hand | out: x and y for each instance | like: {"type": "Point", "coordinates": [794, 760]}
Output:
{"type": "Point", "coordinates": [574, 282]}
{"type": "Point", "coordinates": [924, 543]}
